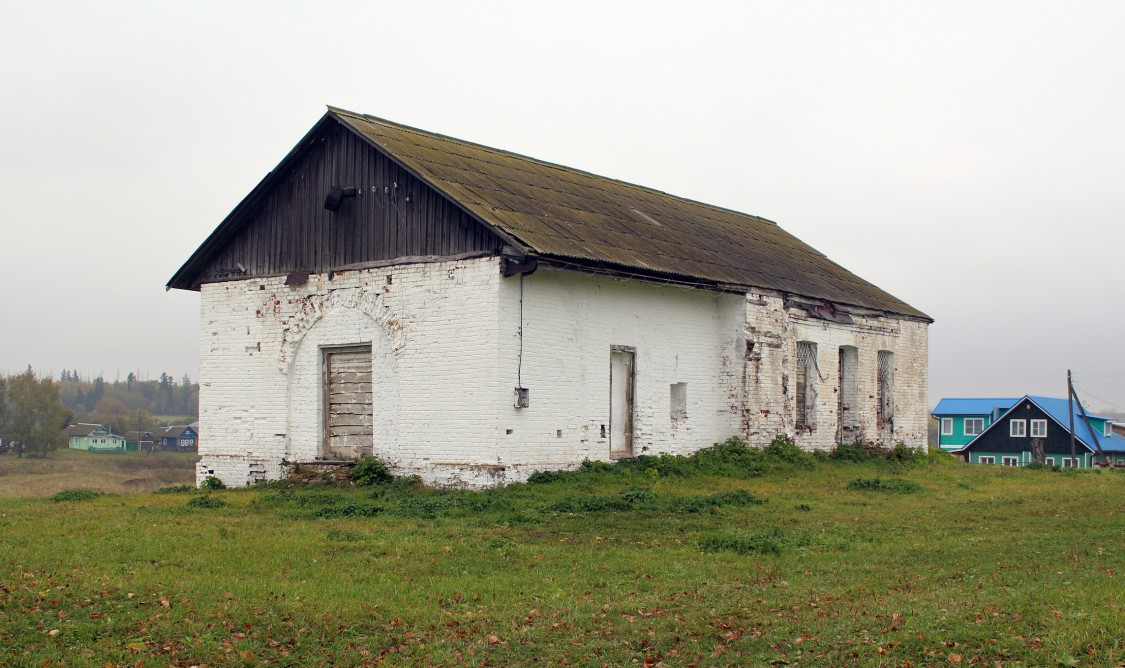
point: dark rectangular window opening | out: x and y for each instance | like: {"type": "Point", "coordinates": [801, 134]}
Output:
{"type": "Point", "coordinates": [808, 374]}
{"type": "Point", "coordinates": [885, 410]}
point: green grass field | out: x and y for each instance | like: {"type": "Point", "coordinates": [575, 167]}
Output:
{"type": "Point", "coordinates": [128, 472]}
{"type": "Point", "coordinates": [650, 565]}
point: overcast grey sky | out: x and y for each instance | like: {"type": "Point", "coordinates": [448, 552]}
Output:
{"type": "Point", "coordinates": [967, 157]}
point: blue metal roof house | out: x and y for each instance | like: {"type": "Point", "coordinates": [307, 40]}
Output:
{"type": "Point", "coordinates": [1032, 429]}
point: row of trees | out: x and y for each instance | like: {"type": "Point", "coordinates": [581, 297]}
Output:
{"type": "Point", "coordinates": [34, 410]}
{"type": "Point", "coordinates": [31, 415]}
{"type": "Point", "coordinates": [95, 396]}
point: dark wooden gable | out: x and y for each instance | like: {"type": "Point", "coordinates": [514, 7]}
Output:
{"type": "Point", "coordinates": [282, 226]}
{"type": "Point", "coordinates": [997, 438]}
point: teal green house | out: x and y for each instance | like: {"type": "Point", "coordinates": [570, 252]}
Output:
{"type": "Point", "coordinates": [962, 420]}
{"type": "Point", "coordinates": [94, 438]}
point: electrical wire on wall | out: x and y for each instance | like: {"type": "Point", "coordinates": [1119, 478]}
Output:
{"type": "Point", "coordinates": [519, 363]}
{"type": "Point", "coordinates": [816, 366]}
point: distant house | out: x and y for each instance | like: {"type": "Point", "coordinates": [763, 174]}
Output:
{"type": "Point", "coordinates": [178, 438]}
{"type": "Point", "coordinates": [962, 420]}
{"type": "Point", "coordinates": [139, 440]}
{"type": "Point", "coordinates": [1037, 430]}
{"type": "Point", "coordinates": [93, 438]}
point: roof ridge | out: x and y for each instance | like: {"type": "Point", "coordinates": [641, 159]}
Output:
{"type": "Point", "coordinates": [978, 398]}
{"type": "Point", "coordinates": [545, 163]}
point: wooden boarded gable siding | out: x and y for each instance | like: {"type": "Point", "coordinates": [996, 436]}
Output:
{"type": "Point", "coordinates": [285, 227]}
{"type": "Point", "coordinates": [348, 409]}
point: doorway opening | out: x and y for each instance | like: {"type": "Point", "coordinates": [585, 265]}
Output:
{"type": "Point", "coordinates": [622, 385]}
{"type": "Point", "coordinates": [348, 409]}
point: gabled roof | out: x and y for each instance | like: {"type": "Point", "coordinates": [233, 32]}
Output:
{"type": "Point", "coordinates": [173, 432]}
{"type": "Point", "coordinates": [1058, 410]}
{"type": "Point", "coordinates": [570, 216]}
{"type": "Point", "coordinates": [83, 429]}
{"type": "Point", "coordinates": [981, 406]}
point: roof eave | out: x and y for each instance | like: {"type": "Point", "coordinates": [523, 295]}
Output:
{"type": "Point", "coordinates": [627, 271]}
{"type": "Point", "coordinates": [185, 277]}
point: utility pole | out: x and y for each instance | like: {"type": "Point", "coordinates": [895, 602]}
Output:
{"type": "Point", "coordinates": [1070, 412]}
{"type": "Point", "coordinates": [1093, 434]}
{"type": "Point", "coordinates": [1073, 396]}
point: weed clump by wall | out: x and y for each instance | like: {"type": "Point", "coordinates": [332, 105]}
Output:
{"type": "Point", "coordinates": [733, 458]}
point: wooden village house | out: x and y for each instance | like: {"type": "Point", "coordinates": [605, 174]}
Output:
{"type": "Point", "coordinates": [1028, 430]}
{"type": "Point", "coordinates": [93, 438]}
{"type": "Point", "coordinates": [960, 420]}
{"type": "Point", "coordinates": [177, 438]}
{"type": "Point", "coordinates": [472, 315]}
{"type": "Point", "coordinates": [140, 440]}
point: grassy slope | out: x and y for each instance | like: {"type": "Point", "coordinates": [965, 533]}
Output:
{"type": "Point", "coordinates": [114, 473]}
{"type": "Point", "coordinates": [1014, 566]}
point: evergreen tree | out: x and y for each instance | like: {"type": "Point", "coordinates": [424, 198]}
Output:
{"type": "Point", "coordinates": [96, 394]}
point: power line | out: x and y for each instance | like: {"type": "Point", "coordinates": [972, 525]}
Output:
{"type": "Point", "coordinates": [1105, 401]}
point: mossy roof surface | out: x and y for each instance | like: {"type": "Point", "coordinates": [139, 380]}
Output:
{"type": "Point", "coordinates": [566, 213]}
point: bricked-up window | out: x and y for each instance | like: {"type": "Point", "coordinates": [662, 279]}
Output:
{"type": "Point", "coordinates": [886, 382]}
{"type": "Point", "coordinates": [848, 407]}
{"type": "Point", "coordinates": [807, 377]}
{"type": "Point", "coordinates": [678, 401]}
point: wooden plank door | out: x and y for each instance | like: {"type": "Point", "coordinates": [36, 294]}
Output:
{"type": "Point", "coordinates": [622, 382]}
{"type": "Point", "coordinates": [348, 411]}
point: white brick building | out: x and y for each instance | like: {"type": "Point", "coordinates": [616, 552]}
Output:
{"type": "Point", "coordinates": [398, 316]}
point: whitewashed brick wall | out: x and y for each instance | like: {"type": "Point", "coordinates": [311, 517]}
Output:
{"type": "Point", "coordinates": [445, 340]}
{"type": "Point", "coordinates": [432, 328]}
{"type": "Point", "coordinates": [570, 323]}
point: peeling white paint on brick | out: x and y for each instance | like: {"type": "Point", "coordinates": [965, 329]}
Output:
{"type": "Point", "coordinates": [445, 340]}
{"type": "Point", "coordinates": [769, 396]}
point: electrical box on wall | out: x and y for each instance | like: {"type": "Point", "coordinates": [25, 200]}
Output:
{"type": "Point", "coordinates": [523, 398]}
